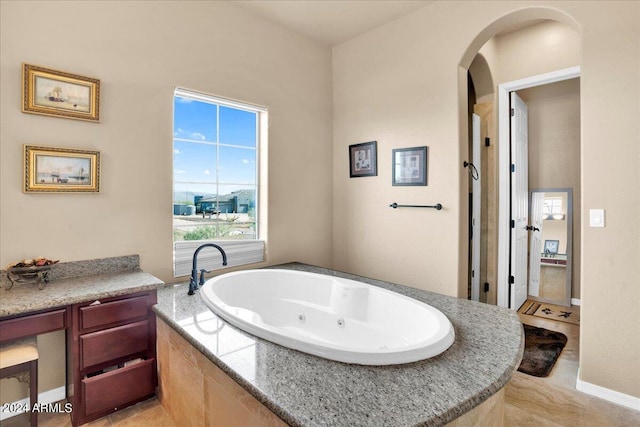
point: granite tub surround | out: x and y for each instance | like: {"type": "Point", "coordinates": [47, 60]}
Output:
{"type": "Point", "coordinates": [305, 390]}
{"type": "Point", "coordinates": [74, 282]}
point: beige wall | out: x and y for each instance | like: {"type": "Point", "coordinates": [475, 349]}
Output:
{"type": "Point", "coordinates": [537, 49]}
{"type": "Point", "coordinates": [140, 51]}
{"type": "Point", "coordinates": [400, 85]}
{"type": "Point", "coordinates": [390, 85]}
{"type": "Point", "coordinates": [610, 98]}
{"type": "Point", "coordinates": [554, 150]}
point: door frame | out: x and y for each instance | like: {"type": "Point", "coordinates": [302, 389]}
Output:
{"type": "Point", "coordinates": [504, 174]}
{"type": "Point", "coordinates": [476, 208]}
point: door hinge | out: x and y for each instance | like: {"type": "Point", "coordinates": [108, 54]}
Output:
{"type": "Point", "coordinates": [512, 279]}
{"type": "Point", "coordinates": [513, 223]}
{"type": "Point", "coordinates": [513, 112]}
{"type": "Point", "coordinates": [487, 142]}
{"type": "Point", "coordinates": [486, 286]}
{"type": "Point", "coordinates": [513, 167]}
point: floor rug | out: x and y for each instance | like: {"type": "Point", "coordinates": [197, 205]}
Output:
{"type": "Point", "coordinates": [542, 348]}
{"type": "Point", "coordinates": [553, 312]}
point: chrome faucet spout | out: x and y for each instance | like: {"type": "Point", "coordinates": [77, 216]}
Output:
{"type": "Point", "coordinates": [193, 282]}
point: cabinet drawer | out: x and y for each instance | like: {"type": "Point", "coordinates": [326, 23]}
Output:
{"type": "Point", "coordinates": [113, 390]}
{"type": "Point", "coordinates": [33, 324]}
{"type": "Point", "coordinates": [111, 344]}
{"type": "Point", "coordinates": [109, 313]}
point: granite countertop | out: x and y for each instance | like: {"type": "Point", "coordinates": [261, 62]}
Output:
{"type": "Point", "coordinates": [76, 282]}
{"type": "Point", "coordinates": [306, 390]}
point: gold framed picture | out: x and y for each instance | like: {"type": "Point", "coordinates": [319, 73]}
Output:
{"type": "Point", "coordinates": [61, 94]}
{"type": "Point", "coordinates": [61, 170]}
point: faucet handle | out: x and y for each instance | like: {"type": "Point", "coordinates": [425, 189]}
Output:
{"type": "Point", "coordinates": [202, 271]}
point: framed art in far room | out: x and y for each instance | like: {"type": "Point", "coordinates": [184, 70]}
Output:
{"type": "Point", "coordinates": [61, 170]}
{"type": "Point", "coordinates": [409, 166]}
{"type": "Point", "coordinates": [58, 93]}
{"type": "Point", "coordinates": [551, 247]}
{"type": "Point", "coordinates": [363, 159]}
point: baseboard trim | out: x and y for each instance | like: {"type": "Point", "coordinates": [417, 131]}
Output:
{"type": "Point", "coordinates": [49, 396]}
{"type": "Point", "coordinates": [575, 301]}
{"type": "Point", "coordinates": [608, 394]}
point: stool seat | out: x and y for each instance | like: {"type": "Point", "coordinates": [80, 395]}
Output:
{"type": "Point", "coordinates": [21, 356]}
{"type": "Point", "coordinates": [18, 352]}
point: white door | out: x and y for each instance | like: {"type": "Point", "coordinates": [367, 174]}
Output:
{"type": "Point", "coordinates": [519, 201]}
{"type": "Point", "coordinates": [535, 245]}
{"type": "Point", "coordinates": [476, 211]}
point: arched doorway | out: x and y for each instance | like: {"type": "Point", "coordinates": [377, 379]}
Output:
{"type": "Point", "coordinates": [509, 23]}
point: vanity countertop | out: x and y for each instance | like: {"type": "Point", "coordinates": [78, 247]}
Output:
{"type": "Point", "coordinates": [76, 282]}
{"type": "Point", "coordinates": [306, 390]}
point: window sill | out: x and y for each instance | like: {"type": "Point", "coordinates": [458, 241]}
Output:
{"type": "Point", "coordinates": [239, 252]}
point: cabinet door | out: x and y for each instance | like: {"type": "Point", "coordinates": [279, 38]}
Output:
{"type": "Point", "coordinates": [113, 344]}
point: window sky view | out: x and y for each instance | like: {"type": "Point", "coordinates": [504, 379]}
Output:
{"type": "Point", "coordinates": [214, 148]}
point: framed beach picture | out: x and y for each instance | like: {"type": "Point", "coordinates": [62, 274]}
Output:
{"type": "Point", "coordinates": [363, 159]}
{"type": "Point", "coordinates": [409, 166]}
{"type": "Point", "coordinates": [61, 170]}
{"type": "Point", "coordinates": [58, 93]}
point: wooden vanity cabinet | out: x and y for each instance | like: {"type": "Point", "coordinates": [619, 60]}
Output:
{"type": "Point", "coordinates": [113, 343]}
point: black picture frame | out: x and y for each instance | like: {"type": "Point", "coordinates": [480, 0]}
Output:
{"type": "Point", "coordinates": [363, 159]}
{"type": "Point", "coordinates": [409, 166]}
{"type": "Point", "coordinates": [551, 247]}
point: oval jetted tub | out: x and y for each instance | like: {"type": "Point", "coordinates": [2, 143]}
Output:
{"type": "Point", "coordinates": [331, 317]}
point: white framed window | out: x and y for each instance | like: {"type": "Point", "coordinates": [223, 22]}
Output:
{"type": "Point", "coordinates": [216, 146]}
{"type": "Point", "coordinates": [552, 206]}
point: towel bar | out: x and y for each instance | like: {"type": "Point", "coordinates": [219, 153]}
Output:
{"type": "Point", "coordinates": [437, 206]}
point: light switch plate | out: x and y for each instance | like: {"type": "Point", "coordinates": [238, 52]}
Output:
{"type": "Point", "coordinates": [596, 217]}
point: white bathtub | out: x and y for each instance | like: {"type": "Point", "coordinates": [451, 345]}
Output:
{"type": "Point", "coordinates": [330, 317]}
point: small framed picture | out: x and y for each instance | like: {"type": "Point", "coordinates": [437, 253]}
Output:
{"type": "Point", "coordinates": [58, 93]}
{"type": "Point", "coordinates": [363, 159]}
{"type": "Point", "coordinates": [60, 170]}
{"type": "Point", "coordinates": [551, 247]}
{"type": "Point", "coordinates": [409, 166]}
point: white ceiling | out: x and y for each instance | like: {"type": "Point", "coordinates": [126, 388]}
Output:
{"type": "Point", "coordinates": [331, 22]}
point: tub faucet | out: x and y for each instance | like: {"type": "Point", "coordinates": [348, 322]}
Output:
{"type": "Point", "coordinates": [193, 283]}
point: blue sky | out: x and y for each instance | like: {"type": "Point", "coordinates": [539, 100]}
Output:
{"type": "Point", "coordinates": [195, 159]}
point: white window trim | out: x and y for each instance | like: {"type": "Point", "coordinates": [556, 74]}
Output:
{"type": "Point", "coordinates": [226, 102]}
{"type": "Point", "coordinates": [239, 252]}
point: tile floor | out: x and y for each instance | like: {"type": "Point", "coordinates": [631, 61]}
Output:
{"type": "Point", "coordinates": [147, 413]}
{"type": "Point", "coordinates": [530, 401]}
{"type": "Point", "coordinates": [554, 400]}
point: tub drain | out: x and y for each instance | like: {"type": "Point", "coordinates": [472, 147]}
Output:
{"type": "Point", "coordinates": [341, 322]}
{"type": "Point", "coordinates": [302, 317]}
